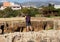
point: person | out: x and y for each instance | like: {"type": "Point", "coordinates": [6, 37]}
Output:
{"type": "Point", "coordinates": [28, 22]}
{"type": "Point", "coordinates": [2, 28]}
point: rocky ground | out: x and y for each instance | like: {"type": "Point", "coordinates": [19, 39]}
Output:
{"type": "Point", "coordinates": [41, 36]}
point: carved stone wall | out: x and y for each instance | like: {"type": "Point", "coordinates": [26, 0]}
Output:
{"type": "Point", "coordinates": [38, 23]}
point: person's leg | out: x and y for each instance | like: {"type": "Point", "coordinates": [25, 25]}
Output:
{"type": "Point", "coordinates": [2, 31]}
{"type": "Point", "coordinates": [27, 28]}
{"type": "Point", "coordinates": [31, 28]}
{"type": "Point", "coordinates": [2, 28]}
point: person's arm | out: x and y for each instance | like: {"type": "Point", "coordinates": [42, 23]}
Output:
{"type": "Point", "coordinates": [25, 18]}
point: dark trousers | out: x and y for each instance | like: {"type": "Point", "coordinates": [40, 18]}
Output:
{"type": "Point", "coordinates": [2, 28]}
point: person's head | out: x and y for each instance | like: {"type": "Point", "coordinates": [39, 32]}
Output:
{"type": "Point", "coordinates": [27, 15]}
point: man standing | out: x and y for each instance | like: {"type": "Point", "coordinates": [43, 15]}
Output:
{"type": "Point", "coordinates": [28, 22]}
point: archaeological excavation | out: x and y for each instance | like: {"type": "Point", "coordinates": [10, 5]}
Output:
{"type": "Point", "coordinates": [37, 25]}
{"type": "Point", "coordinates": [44, 30]}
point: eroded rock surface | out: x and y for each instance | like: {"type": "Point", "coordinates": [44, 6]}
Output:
{"type": "Point", "coordinates": [41, 36]}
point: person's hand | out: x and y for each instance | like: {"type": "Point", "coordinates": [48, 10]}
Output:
{"type": "Point", "coordinates": [25, 16]}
